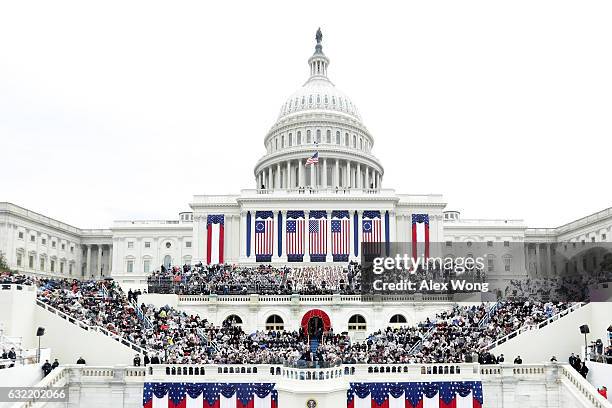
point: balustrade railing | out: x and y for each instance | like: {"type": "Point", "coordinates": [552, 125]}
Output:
{"type": "Point", "coordinates": [532, 326]}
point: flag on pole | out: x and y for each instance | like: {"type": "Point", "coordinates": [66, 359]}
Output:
{"type": "Point", "coordinates": [313, 160]}
{"type": "Point", "coordinates": [215, 238]}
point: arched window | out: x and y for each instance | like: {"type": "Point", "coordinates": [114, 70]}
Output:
{"type": "Point", "coordinates": [308, 138]}
{"type": "Point", "coordinates": [360, 144]}
{"type": "Point", "coordinates": [354, 141]}
{"type": "Point", "coordinates": [346, 139]}
{"type": "Point", "coordinates": [276, 143]}
{"type": "Point", "coordinates": [233, 320]}
{"type": "Point", "coordinates": [398, 319]}
{"type": "Point", "coordinates": [310, 99]}
{"type": "Point", "coordinates": [337, 138]}
{"type": "Point", "coordinates": [299, 138]}
{"type": "Point", "coordinates": [328, 139]}
{"type": "Point", "coordinates": [318, 135]}
{"type": "Point", "coordinates": [275, 322]}
{"type": "Point", "coordinates": [282, 141]}
{"type": "Point", "coordinates": [290, 139]}
{"type": "Point", "coordinates": [357, 323]}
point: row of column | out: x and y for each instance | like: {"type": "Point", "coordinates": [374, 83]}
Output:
{"type": "Point", "coordinates": [293, 174]}
{"type": "Point", "coordinates": [100, 269]}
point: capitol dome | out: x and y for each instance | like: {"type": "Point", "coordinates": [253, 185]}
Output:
{"type": "Point", "coordinates": [318, 120]}
{"type": "Point", "coordinates": [319, 94]}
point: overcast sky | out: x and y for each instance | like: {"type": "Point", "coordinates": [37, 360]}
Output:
{"type": "Point", "coordinates": [119, 110]}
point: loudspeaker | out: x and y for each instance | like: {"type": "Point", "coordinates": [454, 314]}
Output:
{"type": "Point", "coordinates": [584, 329]}
{"type": "Point", "coordinates": [40, 331]}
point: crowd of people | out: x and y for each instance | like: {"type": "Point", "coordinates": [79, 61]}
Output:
{"type": "Point", "coordinates": [236, 280]}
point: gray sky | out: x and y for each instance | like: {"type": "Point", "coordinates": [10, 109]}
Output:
{"type": "Point", "coordinates": [114, 110]}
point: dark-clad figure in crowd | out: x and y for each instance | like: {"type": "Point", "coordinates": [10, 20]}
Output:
{"type": "Point", "coordinates": [584, 370]}
{"type": "Point", "coordinates": [81, 360]}
{"type": "Point", "coordinates": [518, 360]}
{"type": "Point", "coordinates": [46, 368]}
{"type": "Point", "coordinates": [55, 364]}
{"type": "Point", "coordinates": [147, 360]}
{"type": "Point", "coordinates": [137, 361]}
{"type": "Point", "coordinates": [500, 359]}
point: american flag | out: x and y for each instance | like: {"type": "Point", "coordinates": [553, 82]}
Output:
{"type": "Point", "coordinates": [371, 227]}
{"type": "Point", "coordinates": [295, 237]}
{"type": "Point", "coordinates": [341, 235]}
{"type": "Point", "coordinates": [313, 160]}
{"type": "Point", "coordinates": [264, 233]}
{"type": "Point", "coordinates": [317, 234]}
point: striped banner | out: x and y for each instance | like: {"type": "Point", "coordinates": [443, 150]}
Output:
{"type": "Point", "coordinates": [340, 235]}
{"type": "Point", "coordinates": [295, 236]}
{"type": "Point", "coordinates": [317, 236]}
{"type": "Point", "coordinates": [264, 236]}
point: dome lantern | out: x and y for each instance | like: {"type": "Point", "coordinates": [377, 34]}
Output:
{"type": "Point", "coordinates": [318, 62]}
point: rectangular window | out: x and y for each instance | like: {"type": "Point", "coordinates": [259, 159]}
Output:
{"type": "Point", "coordinates": [32, 238]}
{"type": "Point", "coordinates": [63, 247]}
{"type": "Point", "coordinates": [43, 241]}
{"type": "Point", "coordinates": [53, 243]}
{"type": "Point", "coordinates": [507, 264]}
{"type": "Point", "coordinates": [146, 267]}
{"type": "Point", "coordinates": [506, 243]}
{"type": "Point", "coordinates": [188, 244]}
{"type": "Point", "coordinates": [18, 259]}
{"type": "Point", "coordinates": [31, 262]}
{"type": "Point", "coordinates": [61, 267]}
{"type": "Point", "coordinates": [20, 235]}
{"type": "Point", "coordinates": [72, 249]}
{"type": "Point", "coordinates": [603, 237]}
{"type": "Point", "coordinates": [490, 265]}
{"type": "Point", "coordinates": [70, 269]}
{"type": "Point", "coordinates": [449, 243]}
{"type": "Point", "coordinates": [130, 266]}
{"type": "Point", "coordinates": [42, 264]}
{"type": "Point", "coordinates": [52, 266]}
{"type": "Point", "coordinates": [592, 239]}
{"type": "Point", "coordinates": [147, 244]}
{"type": "Point", "coordinates": [130, 244]}
{"type": "Point", "coordinates": [489, 243]}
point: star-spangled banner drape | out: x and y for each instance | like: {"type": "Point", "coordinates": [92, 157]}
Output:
{"type": "Point", "coordinates": [215, 230]}
{"type": "Point", "coordinates": [209, 395]}
{"type": "Point", "coordinates": [264, 236]}
{"type": "Point", "coordinates": [452, 394]}
{"type": "Point", "coordinates": [295, 236]}
{"type": "Point", "coordinates": [340, 235]}
{"type": "Point", "coordinates": [317, 235]}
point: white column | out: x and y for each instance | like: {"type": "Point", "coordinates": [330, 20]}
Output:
{"type": "Point", "coordinates": [348, 174]}
{"type": "Point", "coordinates": [538, 261]}
{"type": "Point", "coordinates": [337, 175]}
{"type": "Point", "coordinates": [88, 265]}
{"type": "Point", "coordinates": [324, 174]}
{"type": "Point", "coordinates": [275, 236]}
{"type": "Point", "coordinates": [358, 181]}
{"type": "Point", "coordinates": [367, 177]}
{"type": "Point", "coordinates": [99, 265]}
{"type": "Point", "coordinates": [110, 260]}
{"type": "Point", "coordinates": [300, 181]}
{"type": "Point", "coordinates": [289, 185]}
{"type": "Point", "coordinates": [277, 182]}
{"type": "Point", "coordinates": [270, 185]}
{"type": "Point", "coordinates": [313, 182]}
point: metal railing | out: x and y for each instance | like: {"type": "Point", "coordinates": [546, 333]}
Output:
{"type": "Point", "coordinates": [88, 327]}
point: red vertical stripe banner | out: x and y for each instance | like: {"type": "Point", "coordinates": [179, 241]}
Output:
{"type": "Point", "coordinates": [208, 242]}
{"type": "Point", "coordinates": [221, 241]}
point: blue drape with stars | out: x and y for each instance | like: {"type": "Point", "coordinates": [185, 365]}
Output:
{"type": "Point", "coordinates": [414, 392]}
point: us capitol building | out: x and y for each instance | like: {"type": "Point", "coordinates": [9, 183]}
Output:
{"type": "Point", "coordinates": [296, 212]}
